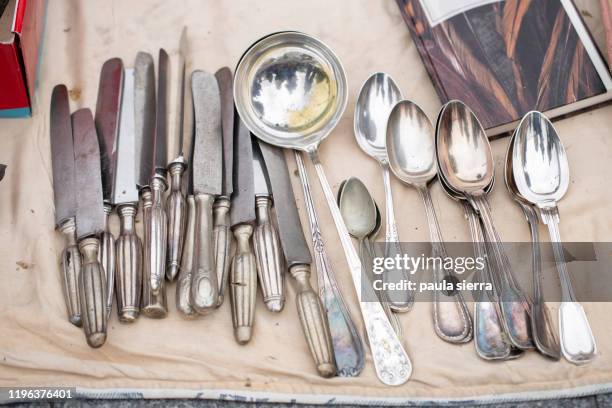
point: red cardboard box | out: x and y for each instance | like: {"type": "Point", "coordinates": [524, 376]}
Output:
{"type": "Point", "coordinates": [21, 28]}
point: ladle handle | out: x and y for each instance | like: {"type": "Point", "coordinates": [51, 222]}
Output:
{"type": "Point", "coordinates": [391, 362]}
{"type": "Point", "coordinates": [514, 306]}
{"type": "Point", "coordinates": [452, 319]}
{"type": "Point", "coordinates": [347, 345]}
{"type": "Point", "coordinates": [577, 341]}
{"type": "Point", "coordinates": [399, 301]}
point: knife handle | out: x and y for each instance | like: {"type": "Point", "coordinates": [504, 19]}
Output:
{"type": "Point", "coordinates": [183, 283]}
{"type": "Point", "coordinates": [107, 258]}
{"type": "Point", "coordinates": [71, 267]}
{"type": "Point", "coordinates": [92, 288]}
{"type": "Point", "coordinates": [175, 209]}
{"type": "Point", "coordinates": [314, 323]}
{"type": "Point", "coordinates": [268, 255]}
{"type": "Point", "coordinates": [157, 225]}
{"type": "Point", "coordinates": [243, 284]}
{"type": "Point", "coordinates": [153, 305]}
{"type": "Point", "coordinates": [204, 286]}
{"type": "Point", "coordinates": [128, 282]}
{"type": "Point", "coordinates": [222, 238]}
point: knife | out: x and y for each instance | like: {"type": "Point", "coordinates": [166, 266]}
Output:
{"type": "Point", "coordinates": [207, 178]}
{"type": "Point", "coordinates": [265, 238]}
{"type": "Point", "coordinates": [243, 278]}
{"type": "Point", "coordinates": [153, 298]}
{"type": "Point", "coordinates": [175, 204]}
{"type": "Point", "coordinates": [297, 254]}
{"type": "Point", "coordinates": [89, 225]}
{"type": "Point", "coordinates": [222, 236]}
{"type": "Point", "coordinates": [62, 160]}
{"type": "Point", "coordinates": [108, 107]}
{"type": "Point", "coordinates": [128, 282]}
{"type": "Point", "coordinates": [157, 229]}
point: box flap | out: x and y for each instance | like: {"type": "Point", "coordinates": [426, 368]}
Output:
{"type": "Point", "coordinates": [6, 22]}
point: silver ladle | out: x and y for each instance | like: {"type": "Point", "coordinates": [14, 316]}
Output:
{"type": "Point", "coordinates": [376, 99]}
{"type": "Point", "coordinates": [360, 214]}
{"type": "Point", "coordinates": [541, 173]}
{"type": "Point", "coordinates": [412, 157]}
{"type": "Point", "coordinates": [466, 162]}
{"type": "Point", "coordinates": [290, 90]}
{"type": "Point", "coordinates": [542, 328]}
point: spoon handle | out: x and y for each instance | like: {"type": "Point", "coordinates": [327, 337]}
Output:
{"type": "Point", "coordinates": [391, 362]}
{"type": "Point", "coordinates": [399, 301]}
{"type": "Point", "coordinates": [513, 303]}
{"type": "Point", "coordinates": [488, 331]}
{"type": "Point", "coordinates": [577, 341]}
{"type": "Point", "coordinates": [347, 345]}
{"type": "Point", "coordinates": [452, 320]}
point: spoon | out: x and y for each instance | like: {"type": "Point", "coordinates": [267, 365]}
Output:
{"type": "Point", "coordinates": [412, 157]}
{"type": "Point", "coordinates": [360, 213]}
{"type": "Point", "coordinates": [541, 324]}
{"type": "Point", "coordinates": [347, 345]}
{"type": "Point", "coordinates": [466, 162]}
{"type": "Point", "coordinates": [541, 173]}
{"type": "Point", "coordinates": [290, 90]}
{"type": "Point", "coordinates": [376, 99]}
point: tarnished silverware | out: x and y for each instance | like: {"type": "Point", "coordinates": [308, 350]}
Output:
{"type": "Point", "coordinates": [541, 173]}
{"type": "Point", "coordinates": [466, 163]}
{"type": "Point", "coordinates": [62, 160]}
{"type": "Point", "coordinates": [275, 75]}
{"type": "Point", "coordinates": [90, 224]}
{"type": "Point", "coordinates": [108, 108]}
{"type": "Point", "coordinates": [412, 158]}
{"type": "Point", "coordinates": [310, 310]}
{"type": "Point", "coordinates": [265, 238]}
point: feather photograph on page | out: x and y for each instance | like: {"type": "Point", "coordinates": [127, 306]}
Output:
{"type": "Point", "coordinates": [506, 58]}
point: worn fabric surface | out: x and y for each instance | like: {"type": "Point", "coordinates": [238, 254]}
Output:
{"type": "Point", "coordinates": [39, 347]}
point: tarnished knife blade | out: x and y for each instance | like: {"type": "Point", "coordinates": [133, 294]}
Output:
{"type": "Point", "coordinates": [62, 156]}
{"type": "Point", "coordinates": [161, 127]}
{"type": "Point", "coordinates": [290, 229]}
{"type": "Point", "coordinates": [184, 115]}
{"type": "Point", "coordinates": [125, 190]}
{"type": "Point", "coordinates": [207, 154]}
{"type": "Point", "coordinates": [225, 80]}
{"type": "Point", "coordinates": [243, 197]}
{"type": "Point", "coordinates": [90, 212]}
{"type": "Point", "coordinates": [260, 174]}
{"type": "Point", "coordinates": [144, 116]}
{"type": "Point", "coordinates": [108, 108]}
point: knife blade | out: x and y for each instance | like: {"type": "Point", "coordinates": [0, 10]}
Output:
{"type": "Point", "coordinates": [108, 107]}
{"type": "Point", "coordinates": [207, 180]}
{"type": "Point", "coordinates": [89, 224]}
{"type": "Point", "coordinates": [158, 223]}
{"type": "Point", "coordinates": [243, 275]}
{"type": "Point", "coordinates": [62, 160]}
{"type": "Point", "coordinates": [144, 116]}
{"type": "Point", "coordinates": [125, 197]}
{"type": "Point", "coordinates": [175, 203]}
{"type": "Point", "coordinates": [297, 255]}
{"type": "Point", "coordinates": [221, 231]}
{"type": "Point", "coordinates": [265, 238]}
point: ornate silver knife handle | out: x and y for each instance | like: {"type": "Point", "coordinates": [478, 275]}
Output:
{"type": "Point", "coordinates": [153, 305]}
{"type": "Point", "coordinates": [129, 266]}
{"type": "Point", "coordinates": [204, 286]}
{"type": "Point", "coordinates": [158, 233]}
{"type": "Point", "coordinates": [71, 267]}
{"type": "Point", "coordinates": [183, 283]}
{"type": "Point", "coordinates": [92, 288]}
{"type": "Point", "coordinates": [243, 284]}
{"type": "Point", "coordinates": [175, 209]}
{"type": "Point", "coordinates": [107, 258]}
{"type": "Point", "coordinates": [222, 239]}
{"type": "Point", "coordinates": [314, 323]}
{"type": "Point", "coordinates": [268, 255]}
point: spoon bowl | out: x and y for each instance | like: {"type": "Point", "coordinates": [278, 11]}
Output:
{"type": "Point", "coordinates": [357, 208]}
{"type": "Point", "coordinates": [410, 144]}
